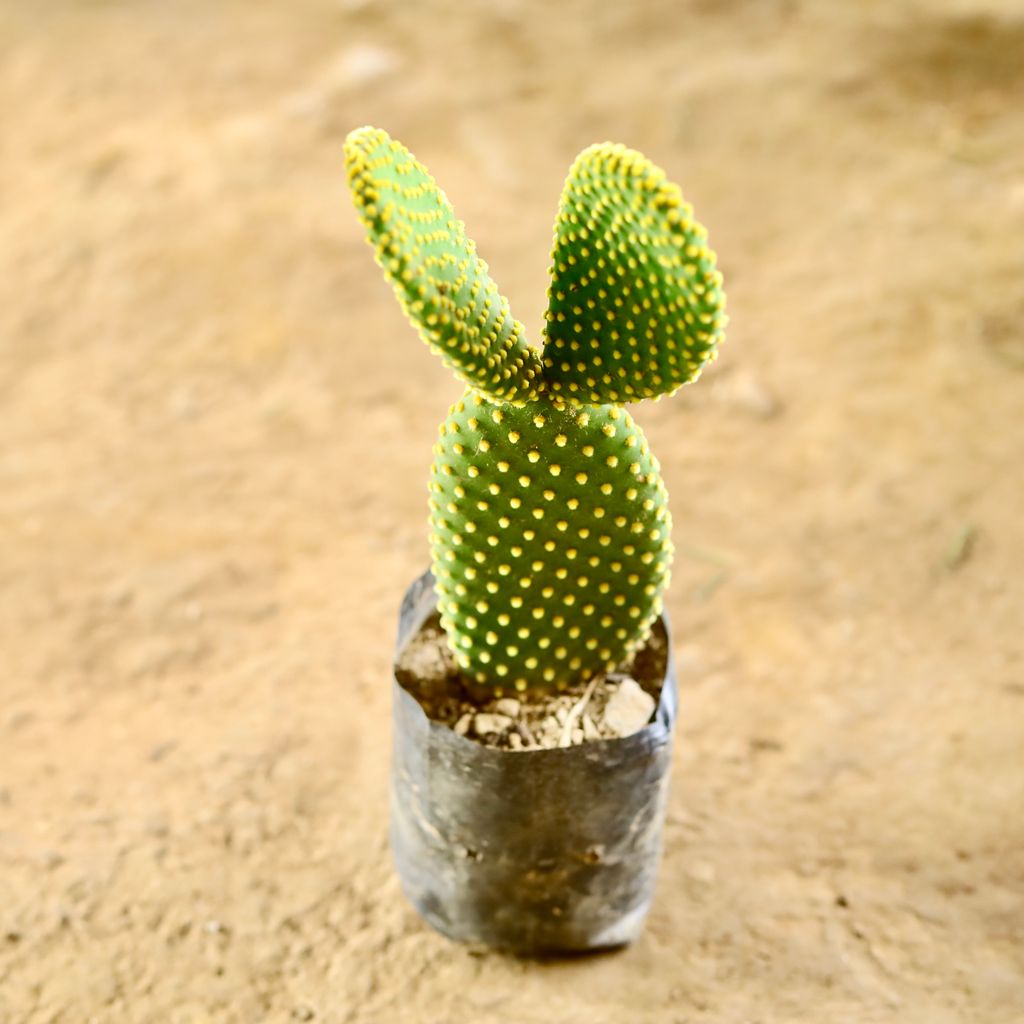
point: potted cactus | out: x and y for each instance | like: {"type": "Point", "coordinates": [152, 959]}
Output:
{"type": "Point", "coordinates": [550, 544]}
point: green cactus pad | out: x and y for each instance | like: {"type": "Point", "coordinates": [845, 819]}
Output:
{"type": "Point", "coordinates": [635, 304]}
{"type": "Point", "coordinates": [441, 283]}
{"type": "Point", "coordinates": [550, 539]}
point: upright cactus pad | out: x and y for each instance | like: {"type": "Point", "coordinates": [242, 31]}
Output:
{"type": "Point", "coordinates": [441, 283]}
{"type": "Point", "coordinates": [549, 518]}
{"type": "Point", "coordinates": [635, 303]}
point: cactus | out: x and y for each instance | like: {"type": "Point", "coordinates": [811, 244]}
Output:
{"type": "Point", "coordinates": [550, 528]}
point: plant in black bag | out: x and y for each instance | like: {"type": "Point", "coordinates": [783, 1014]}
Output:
{"type": "Point", "coordinates": [550, 528]}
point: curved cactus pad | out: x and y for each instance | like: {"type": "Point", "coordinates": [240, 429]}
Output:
{"type": "Point", "coordinates": [441, 283]}
{"type": "Point", "coordinates": [635, 304]}
{"type": "Point", "coordinates": [550, 539]}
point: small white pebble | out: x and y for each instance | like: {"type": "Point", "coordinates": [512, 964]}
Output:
{"type": "Point", "coordinates": [507, 706]}
{"type": "Point", "coordinates": [549, 731]}
{"type": "Point", "coordinates": [629, 709]}
{"type": "Point", "coordinates": [488, 725]}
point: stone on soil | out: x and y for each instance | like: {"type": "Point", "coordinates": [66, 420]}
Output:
{"type": "Point", "coordinates": [507, 706]}
{"type": "Point", "coordinates": [629, 709]}
{"type": "Point", "coordinates": [549, 732]}
{"type": "Point", "coordinates": [487, 724]}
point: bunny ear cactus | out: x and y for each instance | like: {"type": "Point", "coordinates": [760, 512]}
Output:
{"type": "Point", "coordinates": [549, 518]}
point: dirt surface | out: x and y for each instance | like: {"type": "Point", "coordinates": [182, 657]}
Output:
{"type": "Point", "coordinates": [216, 434]}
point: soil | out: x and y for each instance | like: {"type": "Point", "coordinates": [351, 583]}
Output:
{"type": "Point", "coordinates": [216, 433]}
{"type": "Point", "coordinates": [533, 720]}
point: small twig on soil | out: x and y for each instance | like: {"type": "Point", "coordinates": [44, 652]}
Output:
{"type": "Point", "coordinates": [524, 731]}
{"type": "Point", "coordinates": [705, 554]}
{"type": "Point", "coordinates": [961, 546]}
{"type": "Point", "coordinates": [574, 714]}
{"type": "Point", "coordinates": [706, 590]}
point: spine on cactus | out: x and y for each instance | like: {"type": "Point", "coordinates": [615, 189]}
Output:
{"type": "Point", "coordinates": [550, 529]}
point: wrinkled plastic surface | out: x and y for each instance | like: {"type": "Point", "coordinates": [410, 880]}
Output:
{"type": "Point", "coordinates": [535, 852]}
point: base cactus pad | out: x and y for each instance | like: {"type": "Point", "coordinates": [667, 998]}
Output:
{"type": "Point", "coordinates": [550, 538]}
{"type": "Point", "coordinates": [549, 518]}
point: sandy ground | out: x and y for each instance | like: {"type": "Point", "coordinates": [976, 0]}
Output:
{"type": "Point", "coordinates": [216, 431]}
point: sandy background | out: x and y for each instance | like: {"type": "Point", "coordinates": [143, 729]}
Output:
{"type": "Point", "coordinates": [216, 433]}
